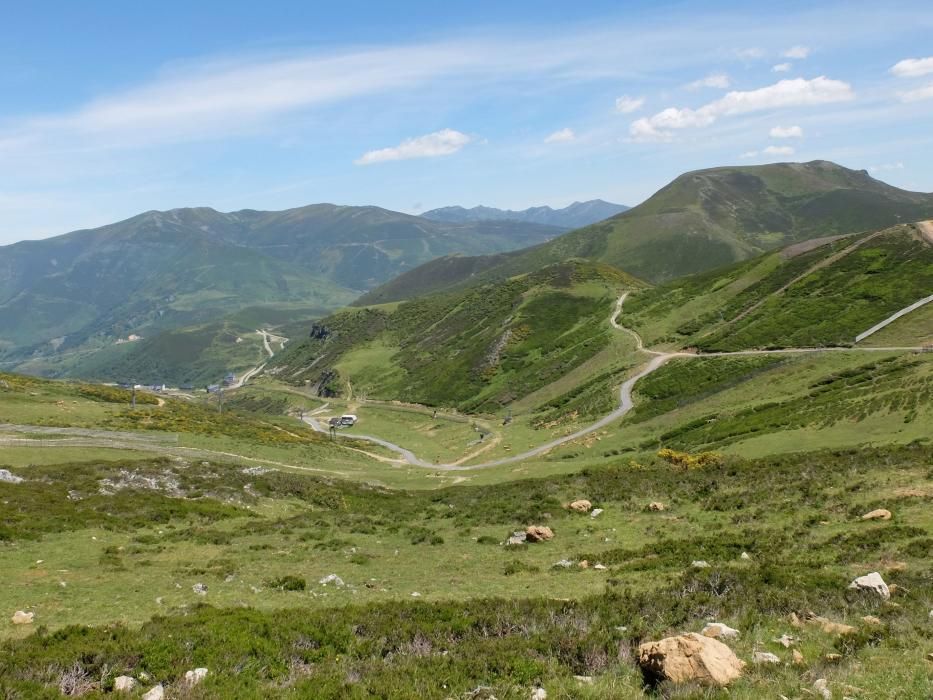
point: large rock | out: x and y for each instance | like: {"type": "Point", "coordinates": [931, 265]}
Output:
{"type": "Point", "coordinates": [766, 657]}
{"type": "Point", "coordinates": [124, 684]}
{"type": "Point", "coordinates": [689, 657]}
{"type": "Point", "coordinates": [538, 533]}
{"type": "Point", "coordinates": [581, 506]}
{"type": "Point", "coordinates": [873, 583]}
{"type": "Point", "coordinates": [8, 477]}
{"type": "Point", "coordinates": [656, 506]}
{"type": "Point", "coordinates": [878, 514]}
{"type": "Point", "coordinates": [22, 618]}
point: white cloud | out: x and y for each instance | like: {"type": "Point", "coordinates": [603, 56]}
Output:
{"type": "Point", "coordinates": [750, 54]}
{"type": "Point", "coordinates": [440, 143]}
{"type": "Point", "coordinates": [922, 93]}
{"type": "Point", "coordinates": [627, 105]}
{"type": "Point", "coordinates": [713, 80]}
{"type": "Point", "coordinates": [748, 154]}
{"type": "Point", "coordinates": [786, 132]}
{"type": "Point", "coordinates": [562, 136]}
{"type": "Point", "coordinates": [784, 93]}
{"type": "Point", "coordinates": [782, 67]}
{"type": "Point", "coordinates": [778, 151]}
{"type": "Point", "coordinates": [797, 52]}
{"type": "Point", "coordinates": [913, 67]}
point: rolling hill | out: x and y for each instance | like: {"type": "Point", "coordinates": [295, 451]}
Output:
{"type": "Point", "coordinates": [572, 216]}
{"type": "Point", "coordinates": [704, 220]}
{"type": "Point", "coordinates": [164, 270]}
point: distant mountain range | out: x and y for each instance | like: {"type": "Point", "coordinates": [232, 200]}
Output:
{"type": "Point", "coordinates": [702, 220]}
{"type": "Point", "coordinates": [161, 270]}
{"type": "Point", "coordinates": [574, 216]}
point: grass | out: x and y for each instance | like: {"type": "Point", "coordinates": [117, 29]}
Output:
{"type": "Point", "coordinates": [474, 623]}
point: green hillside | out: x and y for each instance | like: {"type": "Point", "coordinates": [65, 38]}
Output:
{"type": "Point", "coordinates": [708, 219]}
{"type": "Point", "coordinates": [818, 297]}
{"type": "Point", "coordinates": [476, 350]}
{"type": "Point", "coordinates": [164, 270]}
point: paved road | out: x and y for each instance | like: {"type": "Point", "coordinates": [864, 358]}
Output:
{"type": "Point", "coordinates": [626, 402]}
{"type": "Point", "coordinates": [249, 374]}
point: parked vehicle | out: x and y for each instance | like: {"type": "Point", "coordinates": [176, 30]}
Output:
{"type": "Point", "coordinates": [348, 420]}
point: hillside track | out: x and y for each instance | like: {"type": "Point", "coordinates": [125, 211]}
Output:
{"type": "Point", "coordinates": [626, 400]}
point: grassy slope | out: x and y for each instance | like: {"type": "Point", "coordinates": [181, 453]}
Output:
{"type": "Point", "coordinates": [476, 351]}
{"type": "Point", "coordinates": [488, 615]}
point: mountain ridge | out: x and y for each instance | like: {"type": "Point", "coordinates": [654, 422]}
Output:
{"type": "Point", "coordinates": [574, 215]}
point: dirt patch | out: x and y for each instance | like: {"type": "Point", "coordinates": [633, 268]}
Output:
{"type": "Point", "coordinates": [792, 251]}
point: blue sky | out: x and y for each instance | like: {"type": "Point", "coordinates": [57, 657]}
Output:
{"type": "Point", "coordinates": [108, 109]}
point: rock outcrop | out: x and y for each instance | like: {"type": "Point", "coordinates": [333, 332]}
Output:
{"type": "Point", "coordinates": [689, 657]}
{"type": "Point", "coordinates": [22, 618]}
{"type": "Point", "coordinates": [717, 630]}
{"type": "Point", "coordinates": [878, 514]}
{"type": "Point", "coordinates": [538, 533]}
{"type": "Point", "coordinates": [873, 583]}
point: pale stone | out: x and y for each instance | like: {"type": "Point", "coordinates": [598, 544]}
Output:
{"type": "Point", "coordinates": [689, 657]}
{"type": "Point", "coordinates": [872, 582]}
{"type": "Point", "coordinates": [718, 630]}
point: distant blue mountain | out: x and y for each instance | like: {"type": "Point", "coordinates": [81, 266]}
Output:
{"type": "Point", "coordinates": [574, 216]}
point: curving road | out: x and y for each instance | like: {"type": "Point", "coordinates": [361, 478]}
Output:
{"type": "Point", "coordinates": [626, 402]}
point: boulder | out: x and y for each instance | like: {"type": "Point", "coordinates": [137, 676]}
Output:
{"type": "Point", "coordinates": [581, 506]}
{"type": "Point", "coordinates": [830, 627]}
{"type": "Point", "coordinates": [786, 641]}
{"type": "Point", "coordinates": [22, 618]}
{"type": "Point", "coordinates": [517, 537]}
{"type": "Point", "coordinates": [717, 630]}
{"type": "Point", "coordinates": [744, 556]}
{"type": "Point", "coordinates": [871, 620]}
{"type": "Point", "coordinates": [538, 533]}
{"type": "Point", "coordinates": [332, 578]}
{"type": "Point", "coordinates": [194, 677]}
{"type": "Point", "coordinates": [596, 512]}
{"type": "Point", "coordinates": [699, 564]}
{"type": "Point", "coordinates": [766, 657]}
{"type": "Point", "coordinates": [878, 514]}
{"type": "Point", "coordinates": [156, 693]}
{"type": "Point", "coordinates": [689, 657]}
{"type": "Point", "coordinates": [873, 583]}
{"type": "Point", "coordinates": [821, 689]}
{"type": "Point", "coordinates": [124, 684]}
{"type": "Point", "coordinates": [200, 588]}
{"type": "Point", "coordinates": [798, 658]}
{"type": "Point", "coordinates": [539, 694]}
{"type": "Point", "coordinates": [8, 477]}
{"type": "Point", "coordinates": [656, 506]}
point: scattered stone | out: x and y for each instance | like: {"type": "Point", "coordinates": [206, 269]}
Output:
{"type": "Point", "coordinates": [656, 506]}
{"type": "Point", "coordinates": [415, 594]}
{"type": "Point", "coordinates": [878, 514]}
{"type": "Point", "coordinates": [689, 657]}
{"type": "Point", "coordinates": [828, 626]}
{"type": "Point", "coordinates": [833, 658]}
{"type": "Point", "coordinates": [538, 533]}
{"type": "Point", "coordinates": [192, 678]}
{"type": "Point", "coordinates": [124, 684]}
{"type": "Point", "coordinates": [744, 556]}
{"type": "Point", "coordinates": [586, 680]}
{"type": "Point", "coordinates": [144, 677]}
{"type": "Point", "coordinates": [584, 564]}
{"type": "Point", "coordinates": [871, 620]}
{"type": "Point", "coordinates": [332, 578]}
{"type": "Point", "coordinates": [157, 693]}
{"type": "Point", "coordinates": [581, 506]}
{"type": "Point", "coordinates": [786, 641]}
{"type": "Point", "coordinates": [539, 694]}
{"type": "Point", "coordinates": [564, 563]}
{"type": "Point", "coordinates": [8, 477]}
{"type": "Point", "coordinates": [717, 630]}
{"type": "Point", "coordinates": [200, 588]}
{"type": "Point", "coordinates": [821, 688]}
{"type": "Point", "coordinates": [798, 658]}
{"type": "Point", "coordinates": [766, 657]}
{"type": "Point", "coordinates": [22, 618]}
{"type": "Point", "coordinates": [872, 582]}
{"type": "Point", "coordinates": [596, 512]}
{"type": "Point", "coordinates": [699, 564]}
{"type": "Point", "coordinates": [600, 567]}
{"type": "Point", "coordinates": [517, 537]}
{"type": "Point", "coordinates": [930, 656]}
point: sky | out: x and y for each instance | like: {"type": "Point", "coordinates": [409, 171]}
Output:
{"type": "Point", "coordinates": [108, 109]}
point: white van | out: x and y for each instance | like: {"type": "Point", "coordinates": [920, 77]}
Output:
{"type": "Point", "coordinates": [348, 419]}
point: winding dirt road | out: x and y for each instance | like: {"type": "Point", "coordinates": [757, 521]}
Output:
{"type": "Point", "coordinates": [626, 401]}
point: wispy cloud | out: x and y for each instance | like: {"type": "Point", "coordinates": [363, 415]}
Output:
{"type": "Point", "coordinates": [441, 143]}
{"type": "Point", "coordinates": [627, 105]}
{"type": "Point", "coordinates": [782, 67]}
{"type": "Point", "coordinates": [913, 67]}
{"type": "Point", "coordinates": [883, 167]}
{"type": "Point", "coordinates": [713, 80]}
{"type": "Point", "coordinates": [918, 94]}
{"type": "Point", "coordinates": [785, 93]}
{"type": "Point", "coordinates": [797, 52]}
{"type": "Point", "coordinates": [561, 136]}
{"type": "Point", "coordinates": [750, 54]}
{"type": "Point", "coordinates": [778, 151]}
{"type": "Point", "coordinates": [786, 132]}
